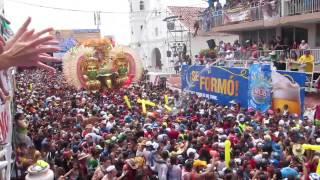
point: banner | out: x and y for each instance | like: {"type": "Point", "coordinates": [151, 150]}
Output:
{"type": "Point", "coordinates": [270, 10]}
{"type": "Point", "coordinates": [262, 90]}
{"type": "Point", "coordinates": [217, 83]}
{"type": "Point", "coordinates": [288, 89]}
{"type": "Point", "coordinates": [69, 38]}
{"type": "Point", "coordinates": [5, 109]}
{"type": "Point", "coordinates": [260, 87]}
{"type": "Point", "coordinates": [237, 16]}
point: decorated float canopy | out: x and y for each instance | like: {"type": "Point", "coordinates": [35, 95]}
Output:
{"type": "Point", "coordinates": [98, 64]}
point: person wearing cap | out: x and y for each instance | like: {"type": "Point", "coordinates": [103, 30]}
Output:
{"type": "Point", "coordinates": [307, 61]}
{"type": "Point", "coordinates": [111, 173]}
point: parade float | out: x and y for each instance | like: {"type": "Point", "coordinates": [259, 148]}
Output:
{"type": "Point", "coordinates": [98, 64]}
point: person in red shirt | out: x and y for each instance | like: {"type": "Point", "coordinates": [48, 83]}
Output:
{"type": "Point", "coordinates": [173, 133]}
{"type": "Point", "coordinates": [148, 133]}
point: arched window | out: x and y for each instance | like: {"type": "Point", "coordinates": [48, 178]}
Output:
{"type": "Point", "coordinates": [141, 5]}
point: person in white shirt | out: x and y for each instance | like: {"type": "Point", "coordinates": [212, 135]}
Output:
{"type": "Point", "coordinates": [161, 166]}
{"type": "Point", "coordinates": [229, 57]}
{"type": "Point", "coordinates": [304, 45]}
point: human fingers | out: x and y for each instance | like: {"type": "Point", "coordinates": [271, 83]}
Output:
{"type": "Point", "coordinates": [53, 42]}
{"type": "Point", "coordinates": [43, 49]}
{"type": "Point", "coordinates": [27, 35]}
{"type": "Point", "coordinates": [40, 33]}
{"type": "Point", "coordinates": [44, 58]}
{"type": "Point", "coordinates": [2, 44]}
{"type": "Point", "coordinates": [46, 67]}
{"type": "Point", "coordinates": [19, 33]}
{"type": "Point", "coordinates": [2, 40]}
{"type": "Point", "coordinates": [40, 41]}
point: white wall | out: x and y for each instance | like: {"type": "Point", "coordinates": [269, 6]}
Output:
{"type": "Point", "coordinates": [200, 42]}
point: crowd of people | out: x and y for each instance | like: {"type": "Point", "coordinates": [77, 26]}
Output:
{"type": "Point", "coordinates": [99, 135]}
{"type": "Point", "coordinates": [95, 135]}
{"type": "Point", "coordinates": [297, 57]}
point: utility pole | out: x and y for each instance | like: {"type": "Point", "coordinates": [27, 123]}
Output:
{"type": "Point", "coordinates": [97, 19]}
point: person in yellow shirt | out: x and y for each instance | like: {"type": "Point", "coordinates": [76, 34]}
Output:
{"type": "Point", "coordinates": [306, 61]}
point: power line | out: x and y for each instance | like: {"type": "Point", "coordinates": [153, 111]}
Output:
{"type": "Point", "coordinates": [64, 9]}
{"type": "Point", "coordinates": [82, 10]}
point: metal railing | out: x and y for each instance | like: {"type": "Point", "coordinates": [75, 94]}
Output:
{"type": "Point", "coordinates": [246, 59]}
{"type": "Point", "coordinates": [258, 11]}
{"type": "Point", "coordinates": [254, 12]}
{"type": "Point", "coordinates": [294, 7]}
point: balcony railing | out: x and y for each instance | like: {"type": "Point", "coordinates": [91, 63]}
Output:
{"type": "Point", "coordinates": [295, 7]}
{"type": "Point", "coordinates": [260, 11]}
{"type": "Point", "coordinates": [253, 12]}
{"type": "Point", "coordinates": [244, 60]}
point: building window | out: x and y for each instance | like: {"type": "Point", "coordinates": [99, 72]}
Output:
{"type": "Point", "coordinates": [131, 9]}
{"type": "Point", "coordinates": [141, 5]}
{"type": "Point", "coordinates": [318, 35]}
{"type": "Point", "coordinates": [156, 31]}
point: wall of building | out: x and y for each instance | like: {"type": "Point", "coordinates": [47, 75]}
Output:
{"type": "Point", "coordinates": [311, 27]}
{"type": "Point", "coordinates": [200, 42]}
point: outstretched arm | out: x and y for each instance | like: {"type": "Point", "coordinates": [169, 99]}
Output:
{"type": "Point", "coordinates": [27, 48]}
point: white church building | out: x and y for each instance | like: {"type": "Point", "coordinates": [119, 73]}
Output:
{"type": "Point", "coordinates": [151, 39]}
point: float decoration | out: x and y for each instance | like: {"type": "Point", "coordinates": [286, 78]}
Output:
{"type": "Point", "coordinates": [98, 64]}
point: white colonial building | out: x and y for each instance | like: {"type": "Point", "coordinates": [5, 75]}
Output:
{"type": "Point", "coordinates": [151, 39]}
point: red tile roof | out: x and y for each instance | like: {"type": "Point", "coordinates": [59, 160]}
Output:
{"type": "Point", "coordinates": [189, 15]}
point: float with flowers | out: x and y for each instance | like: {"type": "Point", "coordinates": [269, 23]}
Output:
{"type": "Point", "coordinates": [99, 64]}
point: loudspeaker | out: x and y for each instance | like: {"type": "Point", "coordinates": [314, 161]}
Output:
{"type": "Point", "coordinates": [211, 43]}
{"type": "Point", "coordinates": [170, 26]}
{"type": "Point", "coordinates": [168, 53]}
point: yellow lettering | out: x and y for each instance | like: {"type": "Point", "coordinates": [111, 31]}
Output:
{"type": "Point", "coordinates": [222, 86]}
{"type": "Point", "coordinates": [230, 87]}
{"type": "Point", "coordinates": [207, 84]}
{"type": "Point", "coordinates": [213, 84]}
{"type": "Point", "coordinates": [202, 82]}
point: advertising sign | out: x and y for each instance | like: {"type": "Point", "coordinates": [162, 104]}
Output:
{"type": "Point", "coordinates": [70, 38]}
{"type": "Point", "coordinates": [260, 87]}
{"type": "Point", "coordinates": [288, 89]}
{"type": "Point", "coordinates": [218, 83]}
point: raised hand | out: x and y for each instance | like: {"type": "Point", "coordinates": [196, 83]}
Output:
{"type": "Point", "coordinates": [27, 48]}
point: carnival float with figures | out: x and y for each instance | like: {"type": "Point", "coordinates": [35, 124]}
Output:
{"type": "Point", "coordinates": [98, 64]}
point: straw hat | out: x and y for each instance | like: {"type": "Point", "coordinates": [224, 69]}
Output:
{"type": "Point", "coordinates": [297, 150]}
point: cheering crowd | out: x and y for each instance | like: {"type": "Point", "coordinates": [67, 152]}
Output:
{"type": "Point", "coordinates": [98, 135]}
{"type": "Point", "coordinates": [95, 135]}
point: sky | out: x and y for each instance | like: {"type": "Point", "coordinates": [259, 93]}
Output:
{"type": "Point", "coordinates": [116, 25]}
